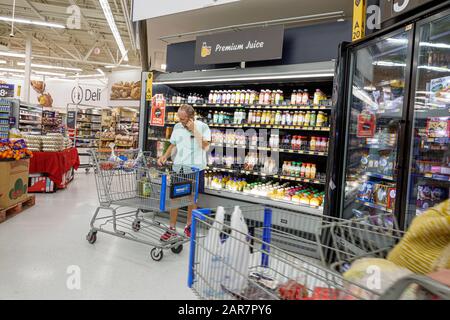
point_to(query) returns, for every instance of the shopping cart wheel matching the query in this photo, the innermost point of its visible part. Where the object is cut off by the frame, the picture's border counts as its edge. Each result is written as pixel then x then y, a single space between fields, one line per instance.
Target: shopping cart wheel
pixel 91 237
pixel 136 225
pixel 156 254
pixel 177 249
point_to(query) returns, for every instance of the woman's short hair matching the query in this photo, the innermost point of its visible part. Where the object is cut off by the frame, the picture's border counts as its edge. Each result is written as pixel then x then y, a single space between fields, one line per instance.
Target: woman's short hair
pixel 188 109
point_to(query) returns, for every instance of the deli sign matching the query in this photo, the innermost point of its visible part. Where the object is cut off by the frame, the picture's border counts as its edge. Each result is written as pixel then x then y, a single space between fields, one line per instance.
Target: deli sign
pixel 254 44
pixel 81 95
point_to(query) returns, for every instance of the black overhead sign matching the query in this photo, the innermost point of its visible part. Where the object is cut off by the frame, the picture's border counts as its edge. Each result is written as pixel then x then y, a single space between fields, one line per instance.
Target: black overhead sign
pixel 255 44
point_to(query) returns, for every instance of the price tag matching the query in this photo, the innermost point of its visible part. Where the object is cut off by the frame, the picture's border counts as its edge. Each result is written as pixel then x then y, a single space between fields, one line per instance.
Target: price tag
pixel 291 151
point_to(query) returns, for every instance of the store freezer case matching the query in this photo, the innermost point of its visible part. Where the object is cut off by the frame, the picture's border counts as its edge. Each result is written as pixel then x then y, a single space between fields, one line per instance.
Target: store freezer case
pixel 392 123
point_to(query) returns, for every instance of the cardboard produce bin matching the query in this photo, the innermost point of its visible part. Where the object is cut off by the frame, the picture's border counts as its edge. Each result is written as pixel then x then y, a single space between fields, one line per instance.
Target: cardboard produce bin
pixel 13 182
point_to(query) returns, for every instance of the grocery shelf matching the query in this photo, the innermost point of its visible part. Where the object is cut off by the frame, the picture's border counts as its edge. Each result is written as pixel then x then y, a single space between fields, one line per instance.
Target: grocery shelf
pixel 158 139
pixel 254 106
pixel 308 152
pixel 380 176
pixel 375 206
pixel 434 176
pixel 264 175
pixel 264 200
pixel 29 121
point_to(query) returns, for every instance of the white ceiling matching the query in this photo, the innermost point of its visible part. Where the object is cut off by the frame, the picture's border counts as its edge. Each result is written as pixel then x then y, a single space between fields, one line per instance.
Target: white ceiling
pixel 244 11
pixel 67 47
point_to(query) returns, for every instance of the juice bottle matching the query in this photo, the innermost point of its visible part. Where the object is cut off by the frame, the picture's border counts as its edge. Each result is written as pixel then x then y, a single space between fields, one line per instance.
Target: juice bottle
pixel 305 97
pixel 247 97
pixel 306 119
pixel 317 97
pixel 283 119
pixel 277 97
pixel 278 117
pixel 299 97
pixel 263 117
pixel 308 171
pixel 294 97
pixel 302 170
pixel 312 144
pixel 272 117
pixel 242 99
pixel 251 99
pixel 319 120
pixel 288 118
pixel 273 94
pixel 210 97
pixel 262 93
pixel 301 118
pixel 266 97
pixel 295 119
pixel 294 143
pixel 313 171
pixel 312 119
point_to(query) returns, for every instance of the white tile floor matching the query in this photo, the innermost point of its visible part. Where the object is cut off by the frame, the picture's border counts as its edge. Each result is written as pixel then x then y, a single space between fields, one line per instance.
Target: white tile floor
pixel 39 245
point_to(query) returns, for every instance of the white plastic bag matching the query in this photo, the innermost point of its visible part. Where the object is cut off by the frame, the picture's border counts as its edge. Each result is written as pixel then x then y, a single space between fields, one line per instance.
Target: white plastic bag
pixel 236 254
pixel 210 258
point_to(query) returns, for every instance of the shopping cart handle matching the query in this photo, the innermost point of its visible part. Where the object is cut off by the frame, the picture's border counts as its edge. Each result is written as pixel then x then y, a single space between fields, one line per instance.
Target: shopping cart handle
pixel 433 286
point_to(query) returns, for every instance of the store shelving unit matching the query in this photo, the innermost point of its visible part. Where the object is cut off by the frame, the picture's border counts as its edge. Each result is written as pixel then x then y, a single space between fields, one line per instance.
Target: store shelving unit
pixel 5 114
pixel 158 137
pixel 52 122
pixel 30 118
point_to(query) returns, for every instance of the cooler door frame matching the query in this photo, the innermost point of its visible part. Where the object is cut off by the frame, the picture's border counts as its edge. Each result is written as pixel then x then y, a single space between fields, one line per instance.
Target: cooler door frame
pixel 411 103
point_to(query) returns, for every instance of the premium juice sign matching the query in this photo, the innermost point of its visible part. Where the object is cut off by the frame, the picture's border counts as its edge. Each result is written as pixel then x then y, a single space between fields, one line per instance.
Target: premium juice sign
pixel 158 113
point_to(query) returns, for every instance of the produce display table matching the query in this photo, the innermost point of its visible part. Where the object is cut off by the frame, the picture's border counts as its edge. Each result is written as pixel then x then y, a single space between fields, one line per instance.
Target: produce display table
pixel 56 166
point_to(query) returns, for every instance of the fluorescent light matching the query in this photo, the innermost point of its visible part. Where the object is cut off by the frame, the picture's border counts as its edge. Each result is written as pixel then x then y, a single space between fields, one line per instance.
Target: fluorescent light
pixel 12 70
pixel 34 22
pixel 435 45
pixel 87 76
pixel 388 64
pixel 2 61
pixel 439 69
pixel 112 25
pixel 45 66
pixel 101 72
pixel 45 73
pixel 299 76
pixel 425 92
pixel 12 54
pixel 122 66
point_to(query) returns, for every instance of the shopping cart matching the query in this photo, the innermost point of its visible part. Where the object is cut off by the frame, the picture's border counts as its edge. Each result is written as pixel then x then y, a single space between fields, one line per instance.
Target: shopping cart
pixel 130 179
pixel 273 271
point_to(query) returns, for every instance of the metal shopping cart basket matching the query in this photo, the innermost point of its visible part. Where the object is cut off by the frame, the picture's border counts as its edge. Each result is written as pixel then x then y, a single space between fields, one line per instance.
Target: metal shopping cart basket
pixel 273 272
pixel 130 179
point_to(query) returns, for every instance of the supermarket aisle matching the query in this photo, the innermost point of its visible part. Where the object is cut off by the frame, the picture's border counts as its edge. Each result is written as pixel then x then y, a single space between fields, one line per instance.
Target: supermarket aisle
pixel 41 243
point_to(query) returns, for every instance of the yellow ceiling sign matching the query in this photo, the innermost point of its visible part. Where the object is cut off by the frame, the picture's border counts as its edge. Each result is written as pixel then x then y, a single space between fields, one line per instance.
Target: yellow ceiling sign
pixel 149 87
pixel 359 19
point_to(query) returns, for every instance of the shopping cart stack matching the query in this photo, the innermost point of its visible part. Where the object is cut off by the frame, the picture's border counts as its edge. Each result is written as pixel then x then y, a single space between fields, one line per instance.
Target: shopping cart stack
pixel 131 185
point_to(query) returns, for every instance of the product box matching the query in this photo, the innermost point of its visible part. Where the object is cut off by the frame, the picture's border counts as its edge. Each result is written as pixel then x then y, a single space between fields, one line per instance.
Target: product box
pixel 438 127
pixel 366 191
pixel 14 182
pixel 380 195
pixel 391 193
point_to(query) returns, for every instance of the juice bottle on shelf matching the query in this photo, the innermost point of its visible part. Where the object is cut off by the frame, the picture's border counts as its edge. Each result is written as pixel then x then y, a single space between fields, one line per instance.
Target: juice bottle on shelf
pixel 288 118
pixel 228 99
pixel 281 97
pixel 294 97
pixel 237 97
pixel 278 118
pixel 312 119
pixel 262 94
pixel 251 100
pixel 326 144
pixel 242 99
pixel 210 97
pixel 277 97
pixel 263 117
pixel 283 118
pixel 319 120
pixel 305 97
pixel 266 97
pixel 294 143
pixel 317 97
pixel 298 169
pixel 224 96
pixel 299 97
pixel 302 170
pixel 313 171
pixel 247 97
pixel 215 93
pixel 250 116
pixel 301 118
pixel 306 119
pixel 295 119
pixel 308 171
pixel 312 144
pixel 272 117
pixel 273 94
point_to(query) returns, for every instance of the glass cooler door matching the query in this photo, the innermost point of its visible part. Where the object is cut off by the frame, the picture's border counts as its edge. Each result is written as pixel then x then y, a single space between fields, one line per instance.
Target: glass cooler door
pixel 376 113
pixel 429 179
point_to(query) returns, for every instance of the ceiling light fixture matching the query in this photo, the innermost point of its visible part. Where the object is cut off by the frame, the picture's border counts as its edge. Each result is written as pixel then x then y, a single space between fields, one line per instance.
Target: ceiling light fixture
pixel 45 73
pixel 299 76
pixel 12 70
pixel 101 72
pixel 45 66
pixel 2 61
pixel 112 25
pixel 12 54
pixel 86 76
pixel 33 22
